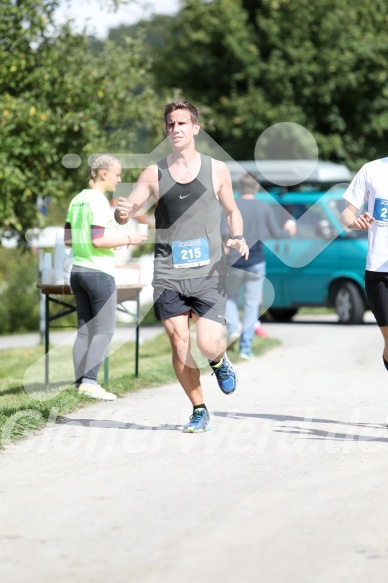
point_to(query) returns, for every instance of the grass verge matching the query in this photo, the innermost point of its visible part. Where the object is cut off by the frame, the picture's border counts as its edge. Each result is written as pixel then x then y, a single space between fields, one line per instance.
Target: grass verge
pixel 27 407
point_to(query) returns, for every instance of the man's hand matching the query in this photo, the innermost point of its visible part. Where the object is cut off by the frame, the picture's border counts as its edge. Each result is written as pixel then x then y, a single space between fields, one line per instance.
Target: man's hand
pixel 349 219
pixel 363 222
pixel 123 210
pixel 239 246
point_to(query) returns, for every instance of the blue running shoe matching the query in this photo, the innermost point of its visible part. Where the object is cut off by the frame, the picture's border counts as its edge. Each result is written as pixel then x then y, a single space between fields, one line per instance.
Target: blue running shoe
pixel 199 422
pixel 226 376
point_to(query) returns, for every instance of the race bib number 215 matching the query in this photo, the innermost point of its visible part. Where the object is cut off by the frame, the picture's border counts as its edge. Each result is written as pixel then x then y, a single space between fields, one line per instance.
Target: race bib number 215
pixel 190 253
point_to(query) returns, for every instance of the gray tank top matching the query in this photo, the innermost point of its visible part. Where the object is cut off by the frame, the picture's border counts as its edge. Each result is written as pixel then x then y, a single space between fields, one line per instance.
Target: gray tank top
pixel 188 240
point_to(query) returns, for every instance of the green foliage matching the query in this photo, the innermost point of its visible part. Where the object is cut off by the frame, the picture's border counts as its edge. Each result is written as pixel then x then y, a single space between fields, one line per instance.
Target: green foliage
pixel 152 32
pixel 249 64
pixel 19 298
pixel 209 51
pixel 330 59
pixel 56 98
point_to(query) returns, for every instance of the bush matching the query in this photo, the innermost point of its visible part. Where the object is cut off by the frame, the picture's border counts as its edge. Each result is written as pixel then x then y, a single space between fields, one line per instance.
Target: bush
pixel 19 297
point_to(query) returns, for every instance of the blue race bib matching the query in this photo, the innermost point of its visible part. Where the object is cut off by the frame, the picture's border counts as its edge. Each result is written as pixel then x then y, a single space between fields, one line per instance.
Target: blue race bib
pixel 380 211
pixel 190 253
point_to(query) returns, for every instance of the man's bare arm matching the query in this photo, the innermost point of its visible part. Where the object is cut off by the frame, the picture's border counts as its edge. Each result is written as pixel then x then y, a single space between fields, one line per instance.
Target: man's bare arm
pixel 351 221
pixel 146 186
pixel 233 216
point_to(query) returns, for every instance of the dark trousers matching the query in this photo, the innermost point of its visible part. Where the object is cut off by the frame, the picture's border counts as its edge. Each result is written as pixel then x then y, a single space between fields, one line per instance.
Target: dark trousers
pixel 96 300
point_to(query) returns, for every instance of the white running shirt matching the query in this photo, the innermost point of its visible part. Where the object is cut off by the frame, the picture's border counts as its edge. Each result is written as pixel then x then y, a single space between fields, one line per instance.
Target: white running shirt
pixel 371 185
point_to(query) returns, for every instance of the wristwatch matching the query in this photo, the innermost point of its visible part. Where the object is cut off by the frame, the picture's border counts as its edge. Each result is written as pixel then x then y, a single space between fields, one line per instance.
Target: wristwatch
pixel 239 237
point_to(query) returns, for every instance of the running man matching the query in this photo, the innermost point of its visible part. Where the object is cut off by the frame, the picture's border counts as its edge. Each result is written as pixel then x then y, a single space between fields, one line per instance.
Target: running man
pixel 369 185
pixel 189 262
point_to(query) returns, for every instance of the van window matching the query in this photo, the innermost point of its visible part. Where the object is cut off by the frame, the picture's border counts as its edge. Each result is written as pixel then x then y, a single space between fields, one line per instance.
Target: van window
pixel 308 222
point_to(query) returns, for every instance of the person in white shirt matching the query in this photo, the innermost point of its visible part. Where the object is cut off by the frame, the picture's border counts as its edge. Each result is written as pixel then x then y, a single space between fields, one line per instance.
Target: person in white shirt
pixel 370 185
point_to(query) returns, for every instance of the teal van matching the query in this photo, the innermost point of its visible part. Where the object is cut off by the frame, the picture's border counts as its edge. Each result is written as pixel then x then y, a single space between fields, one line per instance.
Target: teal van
pixel 323 264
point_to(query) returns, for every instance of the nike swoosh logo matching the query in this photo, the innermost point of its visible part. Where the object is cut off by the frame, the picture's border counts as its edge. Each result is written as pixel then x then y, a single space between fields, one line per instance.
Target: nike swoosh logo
pixel 184 196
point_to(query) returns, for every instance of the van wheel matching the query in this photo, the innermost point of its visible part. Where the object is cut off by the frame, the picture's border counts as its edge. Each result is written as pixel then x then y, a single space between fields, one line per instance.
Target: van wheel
pixel 349 304
pixel 282 314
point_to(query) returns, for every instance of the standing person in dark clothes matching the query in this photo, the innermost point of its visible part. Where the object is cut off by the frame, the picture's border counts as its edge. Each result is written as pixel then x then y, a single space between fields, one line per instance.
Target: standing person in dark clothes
pixel 259 220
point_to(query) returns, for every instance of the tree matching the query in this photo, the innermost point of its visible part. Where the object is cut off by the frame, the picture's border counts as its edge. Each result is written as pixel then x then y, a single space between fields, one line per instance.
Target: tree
pixel 152 31
pixel 209 50
pixel 329 57
pixel 57 98
pixel 19 305
pixel 255 63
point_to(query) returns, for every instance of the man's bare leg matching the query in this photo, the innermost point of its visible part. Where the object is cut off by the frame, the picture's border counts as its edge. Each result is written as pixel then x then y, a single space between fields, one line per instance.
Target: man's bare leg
pixel 185 367
pixel 212 344
pixel 210 338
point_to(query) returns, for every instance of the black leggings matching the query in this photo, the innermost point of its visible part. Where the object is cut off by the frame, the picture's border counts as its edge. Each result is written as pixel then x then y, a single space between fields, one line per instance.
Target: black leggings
pixel 376 287
pixel 96 300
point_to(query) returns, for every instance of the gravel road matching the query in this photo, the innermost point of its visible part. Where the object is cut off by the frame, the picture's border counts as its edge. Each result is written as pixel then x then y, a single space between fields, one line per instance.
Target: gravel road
pixel 290 486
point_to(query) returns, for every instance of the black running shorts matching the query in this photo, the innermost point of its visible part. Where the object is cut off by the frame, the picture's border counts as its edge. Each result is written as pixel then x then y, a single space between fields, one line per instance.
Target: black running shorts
pixel 204 296
pixel 376 287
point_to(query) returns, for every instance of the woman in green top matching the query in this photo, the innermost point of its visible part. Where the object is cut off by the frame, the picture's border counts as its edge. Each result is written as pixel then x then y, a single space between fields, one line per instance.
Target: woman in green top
pixel 92 277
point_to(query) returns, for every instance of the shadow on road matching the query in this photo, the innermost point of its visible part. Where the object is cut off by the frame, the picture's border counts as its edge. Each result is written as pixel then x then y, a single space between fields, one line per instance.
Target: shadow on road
pixel 312 432
pixel 110 424
pixel 306 431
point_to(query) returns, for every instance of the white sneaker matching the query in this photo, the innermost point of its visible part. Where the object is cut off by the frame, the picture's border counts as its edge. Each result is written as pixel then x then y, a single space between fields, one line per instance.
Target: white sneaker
pixel 94 391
